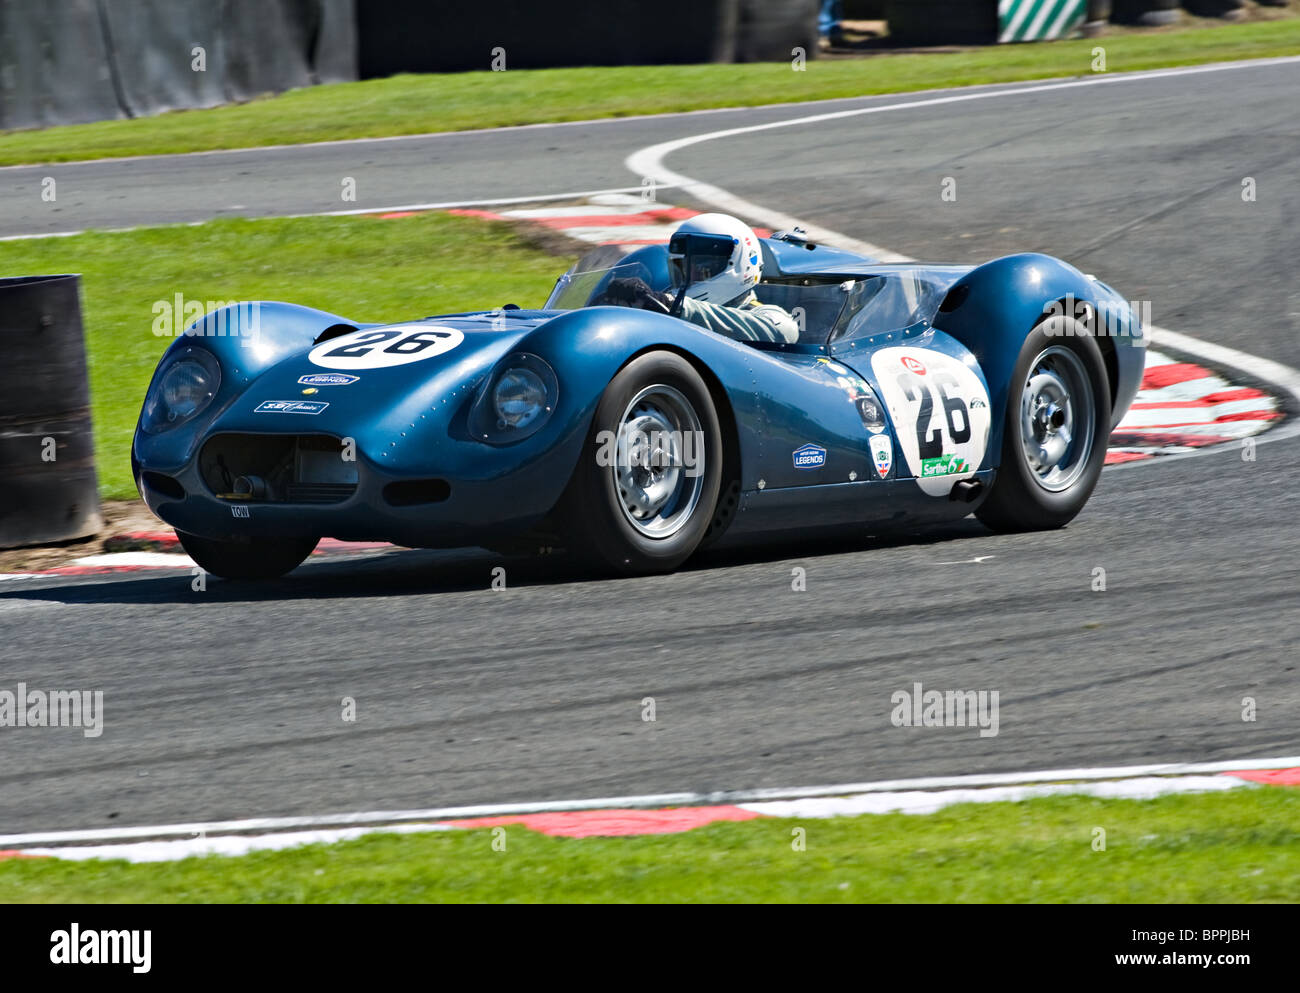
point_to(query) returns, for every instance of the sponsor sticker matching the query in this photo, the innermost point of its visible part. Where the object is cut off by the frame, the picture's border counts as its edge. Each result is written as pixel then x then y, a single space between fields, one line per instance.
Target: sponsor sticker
pixel 913 365
pixel 809 457
pixel 945 465
pixel 238 511
pixel 882 453
pixel 290 407
pixel 327 379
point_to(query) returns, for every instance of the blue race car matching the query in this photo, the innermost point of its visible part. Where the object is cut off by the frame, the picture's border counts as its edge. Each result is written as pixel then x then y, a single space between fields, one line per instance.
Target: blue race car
pixel 910 394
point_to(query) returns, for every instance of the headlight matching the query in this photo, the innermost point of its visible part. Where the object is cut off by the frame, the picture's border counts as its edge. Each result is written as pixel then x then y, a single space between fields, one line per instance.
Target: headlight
pixel 182 392
pixel 519 399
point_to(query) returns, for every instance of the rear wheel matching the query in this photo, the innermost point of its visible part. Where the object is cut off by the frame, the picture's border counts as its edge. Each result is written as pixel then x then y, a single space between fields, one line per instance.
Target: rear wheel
pixel 262 558
pixel 1054 439
pixel 646 486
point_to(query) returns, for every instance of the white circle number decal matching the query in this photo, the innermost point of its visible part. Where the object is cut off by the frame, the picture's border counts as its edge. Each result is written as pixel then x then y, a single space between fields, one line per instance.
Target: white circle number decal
pixel 940 410
pixel 383 347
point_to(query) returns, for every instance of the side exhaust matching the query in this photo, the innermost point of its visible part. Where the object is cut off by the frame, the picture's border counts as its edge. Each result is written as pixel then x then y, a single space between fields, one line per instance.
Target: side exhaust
pixel 966 491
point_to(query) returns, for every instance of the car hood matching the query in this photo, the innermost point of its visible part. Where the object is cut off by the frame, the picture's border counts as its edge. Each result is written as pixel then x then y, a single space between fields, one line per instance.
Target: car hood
pixel 356 378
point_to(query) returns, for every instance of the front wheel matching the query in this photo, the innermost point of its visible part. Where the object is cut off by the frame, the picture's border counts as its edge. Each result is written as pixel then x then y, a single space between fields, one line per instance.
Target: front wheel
pixel 646 486
pixel 261 558
pixel 1054 439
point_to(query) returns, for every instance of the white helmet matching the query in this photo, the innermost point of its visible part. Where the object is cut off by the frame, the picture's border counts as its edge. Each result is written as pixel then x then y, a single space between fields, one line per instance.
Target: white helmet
pixel 717 280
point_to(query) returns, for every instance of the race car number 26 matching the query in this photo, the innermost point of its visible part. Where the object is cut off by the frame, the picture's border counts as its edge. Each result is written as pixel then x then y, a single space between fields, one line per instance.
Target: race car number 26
pixel 940 410
pixel 383 347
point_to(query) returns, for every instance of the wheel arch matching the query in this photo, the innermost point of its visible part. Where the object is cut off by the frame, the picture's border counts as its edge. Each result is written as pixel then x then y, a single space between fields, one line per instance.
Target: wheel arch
pixel 609 339
pixel 994 307
pixel 729 491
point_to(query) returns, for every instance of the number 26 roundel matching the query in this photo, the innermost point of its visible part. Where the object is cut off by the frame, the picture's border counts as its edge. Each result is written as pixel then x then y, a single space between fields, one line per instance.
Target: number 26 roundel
pixel 940 410
pixel 383 347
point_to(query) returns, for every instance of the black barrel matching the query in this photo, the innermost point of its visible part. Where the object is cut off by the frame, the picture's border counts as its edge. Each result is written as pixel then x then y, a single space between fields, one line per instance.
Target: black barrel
pixel 1149 12
pixel 48 489
pixel 770 30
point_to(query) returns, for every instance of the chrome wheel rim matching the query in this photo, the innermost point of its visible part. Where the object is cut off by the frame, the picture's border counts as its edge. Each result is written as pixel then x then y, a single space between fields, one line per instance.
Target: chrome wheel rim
pixel 1057 418
pixel 658 434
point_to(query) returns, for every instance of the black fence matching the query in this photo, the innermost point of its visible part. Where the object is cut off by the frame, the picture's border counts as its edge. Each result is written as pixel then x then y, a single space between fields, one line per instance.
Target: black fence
pixel 417 36
pixel 71 61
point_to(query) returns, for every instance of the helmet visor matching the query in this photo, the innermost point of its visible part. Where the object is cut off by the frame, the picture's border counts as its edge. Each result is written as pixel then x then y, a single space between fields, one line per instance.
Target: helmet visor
pixel 709 256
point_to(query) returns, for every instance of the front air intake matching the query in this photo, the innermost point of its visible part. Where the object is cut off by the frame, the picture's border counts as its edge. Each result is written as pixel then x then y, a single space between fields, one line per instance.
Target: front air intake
pixel 278 468
pixel 411 492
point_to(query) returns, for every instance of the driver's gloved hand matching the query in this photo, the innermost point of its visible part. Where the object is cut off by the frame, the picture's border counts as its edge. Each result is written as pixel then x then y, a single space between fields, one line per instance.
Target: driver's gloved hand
pixel 630 291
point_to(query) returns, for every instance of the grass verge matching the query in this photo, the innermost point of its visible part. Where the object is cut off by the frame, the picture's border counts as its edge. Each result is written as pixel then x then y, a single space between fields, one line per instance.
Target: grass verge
pixel 366 268
pixel 1241 846
pixel 465 101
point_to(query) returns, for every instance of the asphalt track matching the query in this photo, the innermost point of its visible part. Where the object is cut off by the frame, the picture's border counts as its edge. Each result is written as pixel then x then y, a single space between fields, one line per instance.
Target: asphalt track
pixel 226 703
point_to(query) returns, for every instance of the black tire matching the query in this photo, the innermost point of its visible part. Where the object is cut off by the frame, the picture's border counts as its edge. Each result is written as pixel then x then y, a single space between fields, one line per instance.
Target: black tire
pixel 1215 8
pixel 1146 12
pixel 262 558
pixel 593 513
pixel 1020 499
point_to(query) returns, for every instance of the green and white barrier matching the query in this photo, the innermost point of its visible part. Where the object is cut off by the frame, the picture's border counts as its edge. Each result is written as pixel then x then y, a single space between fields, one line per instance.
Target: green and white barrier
pixel 1039 20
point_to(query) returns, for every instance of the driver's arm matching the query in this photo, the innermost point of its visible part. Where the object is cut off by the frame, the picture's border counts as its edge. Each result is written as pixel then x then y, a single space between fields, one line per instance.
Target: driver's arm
pixel 762 323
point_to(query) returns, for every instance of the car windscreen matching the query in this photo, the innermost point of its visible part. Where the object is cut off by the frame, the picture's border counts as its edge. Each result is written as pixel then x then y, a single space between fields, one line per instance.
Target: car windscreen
pixel 815 305
pixel 577 289
pixel 890 301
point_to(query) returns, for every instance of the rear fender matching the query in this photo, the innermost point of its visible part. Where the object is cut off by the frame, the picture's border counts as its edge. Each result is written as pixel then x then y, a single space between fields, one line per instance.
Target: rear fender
pixel 991 311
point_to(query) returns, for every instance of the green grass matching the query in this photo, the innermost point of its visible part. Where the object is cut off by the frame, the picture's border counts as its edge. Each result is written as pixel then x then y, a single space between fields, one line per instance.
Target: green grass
pixel 1238 847
pixel 462 101
pixel 359 267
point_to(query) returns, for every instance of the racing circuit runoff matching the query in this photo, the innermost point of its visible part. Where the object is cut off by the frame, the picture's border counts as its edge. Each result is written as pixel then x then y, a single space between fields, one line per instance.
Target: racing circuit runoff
pixel 1131 635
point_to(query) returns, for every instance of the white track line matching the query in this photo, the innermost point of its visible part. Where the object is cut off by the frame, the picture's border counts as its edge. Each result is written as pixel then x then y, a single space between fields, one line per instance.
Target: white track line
pixel 499 201
pixel 649 164
pixel 911 802
pixel 170 560
pixel 359 211
pixel 229 845
pixel 264 824
pixel 927 802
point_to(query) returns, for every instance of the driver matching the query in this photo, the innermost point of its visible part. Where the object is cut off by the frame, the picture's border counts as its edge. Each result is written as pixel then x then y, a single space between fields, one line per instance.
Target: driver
pixel 720 296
